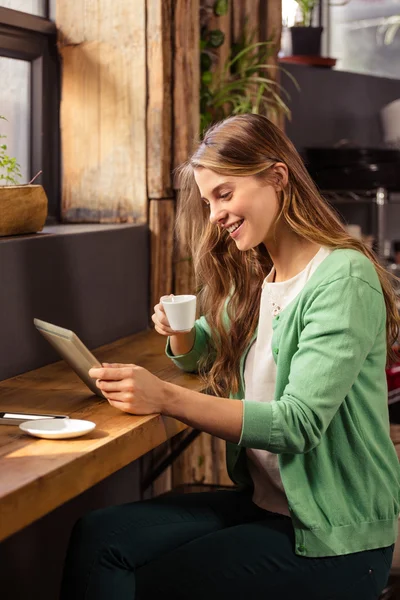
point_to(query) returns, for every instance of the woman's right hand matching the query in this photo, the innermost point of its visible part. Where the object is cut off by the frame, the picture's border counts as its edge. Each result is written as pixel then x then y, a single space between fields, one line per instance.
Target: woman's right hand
pixel 161 323
pixel 181 342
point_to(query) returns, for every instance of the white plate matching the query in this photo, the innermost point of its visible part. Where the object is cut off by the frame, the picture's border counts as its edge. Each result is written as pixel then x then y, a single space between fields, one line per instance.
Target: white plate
pixel 57 428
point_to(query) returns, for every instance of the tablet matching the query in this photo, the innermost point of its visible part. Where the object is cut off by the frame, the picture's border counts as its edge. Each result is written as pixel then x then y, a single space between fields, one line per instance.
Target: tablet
pixel 73 351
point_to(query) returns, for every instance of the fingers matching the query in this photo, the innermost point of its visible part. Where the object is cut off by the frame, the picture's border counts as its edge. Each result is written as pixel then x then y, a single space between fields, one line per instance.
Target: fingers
pixel 121 405
pixel 125 405
pixel 125 386
pixel 160 320
pixel 162 329
pixel 115 386
pixel 112 373
pixel 120 397
pixel 159 312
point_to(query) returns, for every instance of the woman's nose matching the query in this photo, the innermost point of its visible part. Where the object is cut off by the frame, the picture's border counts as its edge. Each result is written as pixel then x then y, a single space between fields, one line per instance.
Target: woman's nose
pixel 217 214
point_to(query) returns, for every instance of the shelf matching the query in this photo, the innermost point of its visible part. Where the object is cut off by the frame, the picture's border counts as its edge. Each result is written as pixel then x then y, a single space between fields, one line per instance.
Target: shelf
pixel 353 196
pixel 310 61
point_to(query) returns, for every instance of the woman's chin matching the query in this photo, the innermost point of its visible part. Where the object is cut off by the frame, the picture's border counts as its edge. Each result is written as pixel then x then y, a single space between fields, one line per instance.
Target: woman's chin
pixel 243 246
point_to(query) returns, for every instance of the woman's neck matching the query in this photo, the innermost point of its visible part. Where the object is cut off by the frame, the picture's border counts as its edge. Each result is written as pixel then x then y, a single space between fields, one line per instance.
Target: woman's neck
pixel 290 253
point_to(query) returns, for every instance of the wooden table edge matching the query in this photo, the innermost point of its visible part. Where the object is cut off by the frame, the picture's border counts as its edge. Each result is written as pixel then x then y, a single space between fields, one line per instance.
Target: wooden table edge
pixel 37 498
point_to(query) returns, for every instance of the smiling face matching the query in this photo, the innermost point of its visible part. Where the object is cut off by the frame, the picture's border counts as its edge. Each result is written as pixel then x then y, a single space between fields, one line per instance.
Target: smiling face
pixel 245 201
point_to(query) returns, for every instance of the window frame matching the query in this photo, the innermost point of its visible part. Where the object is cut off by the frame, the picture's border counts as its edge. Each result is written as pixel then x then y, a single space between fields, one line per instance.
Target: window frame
pixel 27 37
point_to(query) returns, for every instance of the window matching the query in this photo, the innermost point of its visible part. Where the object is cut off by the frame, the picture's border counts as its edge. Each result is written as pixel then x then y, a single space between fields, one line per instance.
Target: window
pixel 29 92
pixel 365 37
pixel 15 102
pixel 33 7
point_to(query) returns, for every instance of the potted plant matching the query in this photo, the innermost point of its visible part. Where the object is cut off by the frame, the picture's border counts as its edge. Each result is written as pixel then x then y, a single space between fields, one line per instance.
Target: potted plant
pixel 306 39
pixel 23 208
pixel 246 82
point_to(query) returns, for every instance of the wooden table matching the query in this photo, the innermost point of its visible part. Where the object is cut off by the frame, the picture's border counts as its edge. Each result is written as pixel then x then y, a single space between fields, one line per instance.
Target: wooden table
pixel 39 475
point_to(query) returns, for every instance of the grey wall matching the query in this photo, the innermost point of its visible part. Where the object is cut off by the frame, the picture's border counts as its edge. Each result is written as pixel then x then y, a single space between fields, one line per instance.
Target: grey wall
pixel 334 105
pixel 91 279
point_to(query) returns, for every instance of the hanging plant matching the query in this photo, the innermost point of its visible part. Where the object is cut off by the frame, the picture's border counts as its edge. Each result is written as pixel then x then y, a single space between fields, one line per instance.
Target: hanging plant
pixel 221 7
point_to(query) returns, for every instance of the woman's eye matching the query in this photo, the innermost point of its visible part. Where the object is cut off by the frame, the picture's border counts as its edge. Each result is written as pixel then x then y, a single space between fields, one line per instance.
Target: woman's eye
pixel 226 195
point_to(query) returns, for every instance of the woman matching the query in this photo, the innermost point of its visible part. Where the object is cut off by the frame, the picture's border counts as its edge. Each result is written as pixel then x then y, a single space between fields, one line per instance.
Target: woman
pixel 298 320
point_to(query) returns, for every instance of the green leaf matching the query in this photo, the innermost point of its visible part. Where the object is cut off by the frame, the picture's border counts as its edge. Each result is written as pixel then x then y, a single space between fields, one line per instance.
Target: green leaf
pixel 391 32
pixel 206 100
pixel 260 92
pixel 279 68
pixel 243 52
pixel 221 7
pixel 205 61
pixel 306 8
pixel 216 38
pixel 206 77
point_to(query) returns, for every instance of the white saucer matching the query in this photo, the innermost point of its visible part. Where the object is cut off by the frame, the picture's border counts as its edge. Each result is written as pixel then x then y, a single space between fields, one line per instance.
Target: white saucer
pixel 57 428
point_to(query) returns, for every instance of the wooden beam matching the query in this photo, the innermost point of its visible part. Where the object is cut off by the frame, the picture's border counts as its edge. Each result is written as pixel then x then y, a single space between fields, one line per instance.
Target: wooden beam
pixel 202 462
pixel 159 168
pixel 103 110
pixel 184 280
pixel 223 23
pixel 186 78
pixel 159 107
pixel 271 29
pixel 273 22
pixel 161 224
pixel 163 483
pixel 245 16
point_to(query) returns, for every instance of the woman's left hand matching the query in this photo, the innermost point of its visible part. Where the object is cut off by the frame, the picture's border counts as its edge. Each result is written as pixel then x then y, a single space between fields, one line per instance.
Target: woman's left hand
pixel 130 388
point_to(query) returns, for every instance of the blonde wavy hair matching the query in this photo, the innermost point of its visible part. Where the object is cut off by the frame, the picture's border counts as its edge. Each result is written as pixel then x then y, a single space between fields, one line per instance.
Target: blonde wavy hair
pixel 227 278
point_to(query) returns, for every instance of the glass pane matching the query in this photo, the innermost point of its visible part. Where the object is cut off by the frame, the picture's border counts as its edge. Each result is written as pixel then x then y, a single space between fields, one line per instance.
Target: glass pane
pixel 365 37
pixel 33 7
pixel 15 106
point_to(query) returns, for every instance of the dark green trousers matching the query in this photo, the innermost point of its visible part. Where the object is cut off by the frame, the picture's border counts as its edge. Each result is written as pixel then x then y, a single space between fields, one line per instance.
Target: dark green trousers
pixel 211 545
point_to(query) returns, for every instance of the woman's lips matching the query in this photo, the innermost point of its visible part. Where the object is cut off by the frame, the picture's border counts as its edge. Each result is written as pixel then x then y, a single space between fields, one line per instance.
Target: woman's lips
pixel 235 233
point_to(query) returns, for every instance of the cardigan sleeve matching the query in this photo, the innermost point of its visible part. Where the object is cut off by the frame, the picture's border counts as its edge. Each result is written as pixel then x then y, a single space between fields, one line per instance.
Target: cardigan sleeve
pixel 189 362
pixel 340 327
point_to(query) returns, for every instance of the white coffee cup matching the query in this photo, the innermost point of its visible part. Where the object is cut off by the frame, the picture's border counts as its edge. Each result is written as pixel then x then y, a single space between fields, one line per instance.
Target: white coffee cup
pixel 180 311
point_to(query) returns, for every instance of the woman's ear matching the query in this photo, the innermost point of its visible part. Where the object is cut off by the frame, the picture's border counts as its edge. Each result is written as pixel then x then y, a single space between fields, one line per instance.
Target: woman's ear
pixel 280 176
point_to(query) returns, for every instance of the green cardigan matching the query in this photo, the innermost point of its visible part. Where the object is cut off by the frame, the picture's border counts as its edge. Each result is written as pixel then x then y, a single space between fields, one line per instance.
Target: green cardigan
pixel 328 421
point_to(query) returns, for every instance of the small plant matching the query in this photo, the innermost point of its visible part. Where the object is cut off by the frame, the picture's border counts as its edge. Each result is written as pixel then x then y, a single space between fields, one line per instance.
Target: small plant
pixel 10 171
pixel 306 9
pixel 388 30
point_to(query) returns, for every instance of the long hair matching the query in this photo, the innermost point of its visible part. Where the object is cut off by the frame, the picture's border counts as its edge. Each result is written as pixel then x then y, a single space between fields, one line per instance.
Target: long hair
pixel 227 278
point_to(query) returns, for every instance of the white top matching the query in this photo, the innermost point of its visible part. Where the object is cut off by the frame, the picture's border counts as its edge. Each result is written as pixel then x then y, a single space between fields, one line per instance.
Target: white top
pixel 260 377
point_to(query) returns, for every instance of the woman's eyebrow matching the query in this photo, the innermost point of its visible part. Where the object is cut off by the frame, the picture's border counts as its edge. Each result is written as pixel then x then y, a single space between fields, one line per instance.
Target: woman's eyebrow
pixel 217 189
